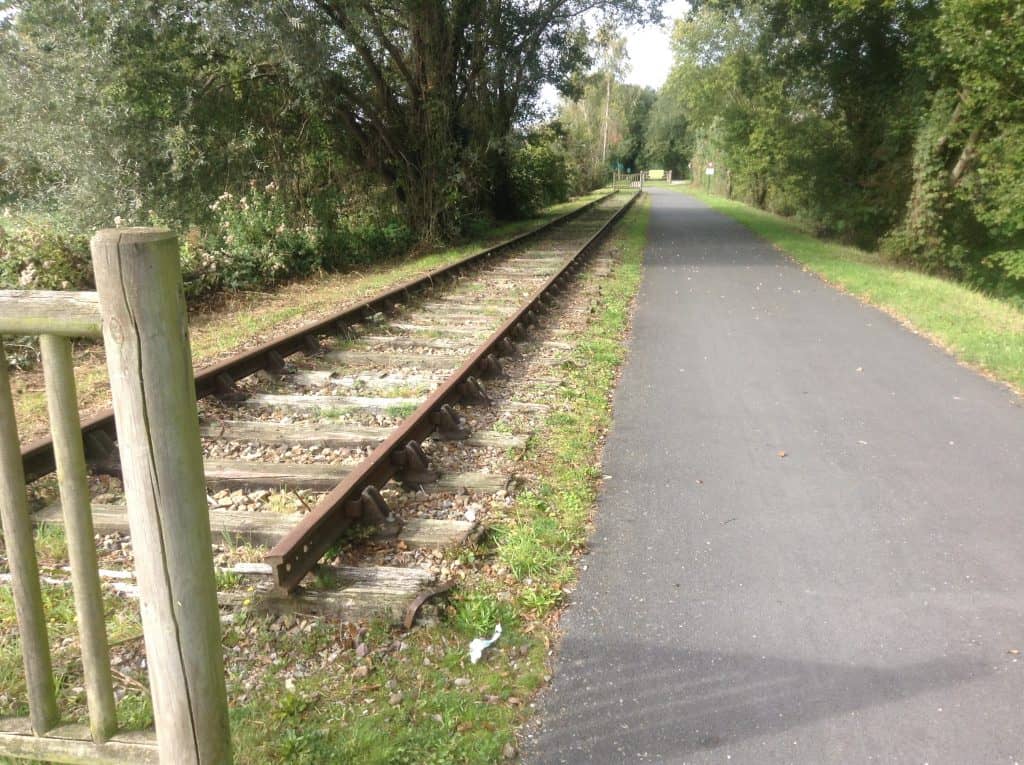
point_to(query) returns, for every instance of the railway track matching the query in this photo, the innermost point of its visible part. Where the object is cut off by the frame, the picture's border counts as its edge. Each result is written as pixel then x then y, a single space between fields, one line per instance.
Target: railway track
pixel 381 416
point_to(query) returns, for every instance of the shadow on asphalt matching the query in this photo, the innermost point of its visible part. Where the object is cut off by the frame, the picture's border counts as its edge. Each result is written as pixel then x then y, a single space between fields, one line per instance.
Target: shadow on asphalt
pixel 703 700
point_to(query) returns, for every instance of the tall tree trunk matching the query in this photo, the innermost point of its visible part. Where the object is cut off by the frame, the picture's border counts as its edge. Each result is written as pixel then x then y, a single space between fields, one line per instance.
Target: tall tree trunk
pixel 607 116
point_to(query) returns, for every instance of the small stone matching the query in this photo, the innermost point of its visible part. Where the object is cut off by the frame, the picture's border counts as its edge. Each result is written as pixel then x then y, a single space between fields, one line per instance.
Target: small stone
pixel 361 672
pixel 361 650
pixel 395 698
pixel 461 682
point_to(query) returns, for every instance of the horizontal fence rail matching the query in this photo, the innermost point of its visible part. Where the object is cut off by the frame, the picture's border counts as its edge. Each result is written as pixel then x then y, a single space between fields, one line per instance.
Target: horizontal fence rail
pixel 40 312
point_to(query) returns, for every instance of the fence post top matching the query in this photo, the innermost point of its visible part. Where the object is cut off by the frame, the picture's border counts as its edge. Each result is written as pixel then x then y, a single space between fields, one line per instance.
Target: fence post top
pixel 131 235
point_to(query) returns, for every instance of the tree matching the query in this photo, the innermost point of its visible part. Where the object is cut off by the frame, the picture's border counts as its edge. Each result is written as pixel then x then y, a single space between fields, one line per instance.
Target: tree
pixel 612 64
pixel 668 139
pixel 965 215
pixel 427 92
pixel 155 105
pixel 634 103
pixel 118 108
pixel 810 103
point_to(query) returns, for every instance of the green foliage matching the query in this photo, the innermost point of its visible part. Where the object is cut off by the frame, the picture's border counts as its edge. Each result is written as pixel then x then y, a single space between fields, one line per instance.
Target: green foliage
pixel 538 175
pixel 255 241
pixel 477 612
pixel 897 123
pixel 668 142
pixel 254 244
pixel 803 106
pixel 126 107
pixel 966 213
pixel 39 254
pixel 604 126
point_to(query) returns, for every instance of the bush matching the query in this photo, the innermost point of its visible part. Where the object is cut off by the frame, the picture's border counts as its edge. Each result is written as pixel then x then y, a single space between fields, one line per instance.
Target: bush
pixel 255 242
pixel 258 242
pixel 539 177
pixel 252 245
pixel 40 256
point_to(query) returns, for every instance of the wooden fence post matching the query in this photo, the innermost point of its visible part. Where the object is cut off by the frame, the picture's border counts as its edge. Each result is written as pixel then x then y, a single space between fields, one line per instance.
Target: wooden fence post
pixel 145 332
pixel 21 555
pixel 69 456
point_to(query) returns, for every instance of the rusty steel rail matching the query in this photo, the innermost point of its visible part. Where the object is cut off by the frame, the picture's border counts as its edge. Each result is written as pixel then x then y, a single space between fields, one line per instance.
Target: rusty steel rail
pixel 357 497
pixel 98 431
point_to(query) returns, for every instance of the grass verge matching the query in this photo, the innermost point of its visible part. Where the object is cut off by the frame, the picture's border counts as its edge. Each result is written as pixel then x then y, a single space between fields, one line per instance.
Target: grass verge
pixel 981 331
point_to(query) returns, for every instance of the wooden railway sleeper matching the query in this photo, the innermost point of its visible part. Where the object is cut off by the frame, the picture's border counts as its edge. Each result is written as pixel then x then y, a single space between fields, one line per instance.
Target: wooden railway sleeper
pixel 413 466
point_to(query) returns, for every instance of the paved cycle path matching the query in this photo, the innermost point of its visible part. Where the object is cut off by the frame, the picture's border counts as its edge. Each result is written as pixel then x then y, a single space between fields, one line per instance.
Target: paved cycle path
pixel 857 600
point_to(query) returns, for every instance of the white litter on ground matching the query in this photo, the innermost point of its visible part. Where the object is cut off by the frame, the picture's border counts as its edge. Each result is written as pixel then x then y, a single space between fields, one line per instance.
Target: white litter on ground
pixel 478 645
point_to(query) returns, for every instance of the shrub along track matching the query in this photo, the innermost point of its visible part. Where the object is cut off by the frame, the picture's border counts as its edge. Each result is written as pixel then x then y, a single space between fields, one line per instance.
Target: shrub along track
pixel 373 422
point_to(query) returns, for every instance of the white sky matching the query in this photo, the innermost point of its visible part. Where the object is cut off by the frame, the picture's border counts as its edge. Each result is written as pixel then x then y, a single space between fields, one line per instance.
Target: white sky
pixel 650 56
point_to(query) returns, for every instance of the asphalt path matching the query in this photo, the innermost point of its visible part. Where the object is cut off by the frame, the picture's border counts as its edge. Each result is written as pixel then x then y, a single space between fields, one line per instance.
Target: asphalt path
pixel 810 542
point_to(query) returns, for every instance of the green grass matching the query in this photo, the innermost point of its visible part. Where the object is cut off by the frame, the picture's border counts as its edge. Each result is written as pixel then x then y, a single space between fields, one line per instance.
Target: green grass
pixel 552 523
pixel 982 331
pixel 400 411
pixel 123 625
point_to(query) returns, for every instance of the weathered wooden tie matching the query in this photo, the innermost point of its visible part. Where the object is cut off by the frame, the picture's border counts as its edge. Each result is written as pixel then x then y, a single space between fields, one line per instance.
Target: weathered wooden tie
pixel 307 434
pixel 266 528
pixel 372 404
pixel 236 474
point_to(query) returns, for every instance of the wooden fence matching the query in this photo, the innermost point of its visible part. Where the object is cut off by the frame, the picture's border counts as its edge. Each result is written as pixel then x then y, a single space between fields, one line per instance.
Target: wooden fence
pixel 139 310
